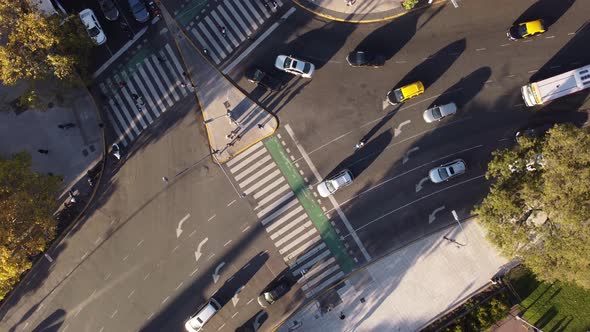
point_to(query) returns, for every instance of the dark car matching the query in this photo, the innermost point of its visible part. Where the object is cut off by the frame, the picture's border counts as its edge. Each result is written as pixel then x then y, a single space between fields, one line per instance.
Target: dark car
pixel 263 79
pixel 109 9
pixel 139 10
pixel 273 293
pixel 365 59
pixel 533 131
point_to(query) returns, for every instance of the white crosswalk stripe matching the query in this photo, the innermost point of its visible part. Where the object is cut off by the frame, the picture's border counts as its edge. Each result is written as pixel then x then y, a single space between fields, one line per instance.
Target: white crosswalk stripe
pixel 240 19
pixel 135 96
pixel 284 219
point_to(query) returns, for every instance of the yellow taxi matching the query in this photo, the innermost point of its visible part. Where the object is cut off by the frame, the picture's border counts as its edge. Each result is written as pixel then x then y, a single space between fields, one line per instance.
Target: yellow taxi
pixel 400 95
pixel 526 29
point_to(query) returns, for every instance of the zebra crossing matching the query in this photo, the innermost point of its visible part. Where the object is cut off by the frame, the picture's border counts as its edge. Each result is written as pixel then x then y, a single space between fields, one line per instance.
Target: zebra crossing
pixel 229 24
pixel 284 219
pixel 136 96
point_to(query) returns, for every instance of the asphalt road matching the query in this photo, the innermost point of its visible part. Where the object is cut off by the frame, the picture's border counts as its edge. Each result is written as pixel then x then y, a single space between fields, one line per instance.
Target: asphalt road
pixel 461 55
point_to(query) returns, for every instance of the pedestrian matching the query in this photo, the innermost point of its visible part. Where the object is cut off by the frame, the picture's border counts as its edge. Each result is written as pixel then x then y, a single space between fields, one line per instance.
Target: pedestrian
pixel 184 74
pixel 134 96
pixel 72 197
pixel 165 179
pixel 222 29
pixel 359 145
pixel 160 59
pixel 43 151
pixel 122 84
pixel 342 316
pixel 205 51
pixel 182 84
pixel 275 5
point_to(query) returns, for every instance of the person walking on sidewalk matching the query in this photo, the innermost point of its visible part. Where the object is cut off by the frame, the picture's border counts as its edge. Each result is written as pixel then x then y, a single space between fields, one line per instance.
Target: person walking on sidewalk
pixel 222 30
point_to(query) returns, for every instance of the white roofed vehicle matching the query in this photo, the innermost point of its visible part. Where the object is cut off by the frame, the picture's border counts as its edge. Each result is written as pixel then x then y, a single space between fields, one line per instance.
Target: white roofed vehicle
pixel 196 321
pixel 294 66
pixel 92 26
pixel 331 185
pixel 539 93
pixel 447 171
pixel 438 113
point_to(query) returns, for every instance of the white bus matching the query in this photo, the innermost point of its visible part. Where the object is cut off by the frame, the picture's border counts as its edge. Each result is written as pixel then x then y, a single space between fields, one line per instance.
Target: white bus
pixel 539 93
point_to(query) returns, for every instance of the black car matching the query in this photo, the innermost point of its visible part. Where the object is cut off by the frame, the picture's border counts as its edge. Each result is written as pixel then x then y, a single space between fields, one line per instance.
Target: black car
pixel 109 9
pixel 263 79
pixel 365 59
pixel 533 131
pixel 273 293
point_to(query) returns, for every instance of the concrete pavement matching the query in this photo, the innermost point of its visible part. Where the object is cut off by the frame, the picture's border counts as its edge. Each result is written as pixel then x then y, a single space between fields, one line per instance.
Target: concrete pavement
pixel 406 289
pixel 233 121
pixel 358 11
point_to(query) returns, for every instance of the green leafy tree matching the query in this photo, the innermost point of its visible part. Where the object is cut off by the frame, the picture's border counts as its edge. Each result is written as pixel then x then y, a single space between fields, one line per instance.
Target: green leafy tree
pixel 27 201
pixel 538 207
pixel 36 47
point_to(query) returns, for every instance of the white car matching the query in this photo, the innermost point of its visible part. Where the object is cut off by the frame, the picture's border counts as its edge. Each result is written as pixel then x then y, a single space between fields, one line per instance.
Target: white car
pixel 438 113
pixel 294 66
pixel 447 171
pixel 92 26
pixel 196 321
pixel 329 186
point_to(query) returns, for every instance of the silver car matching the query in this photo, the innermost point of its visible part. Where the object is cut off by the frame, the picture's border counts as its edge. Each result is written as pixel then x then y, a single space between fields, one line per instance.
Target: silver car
pixel 331 185
pixel 294 66
pixel 447 171
pixel 438 113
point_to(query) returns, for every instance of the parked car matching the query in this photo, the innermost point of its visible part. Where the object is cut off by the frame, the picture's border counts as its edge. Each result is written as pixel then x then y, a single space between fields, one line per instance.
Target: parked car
pixel 294 66
pixel 198 320
pixel 447 171
pixel 526 29
pixel 139 10
pixel 400 95
pixel 438 113
pixel 533 131
pixel 263 79
pixel 92 26
pixel 109 9
pixel 274 293
pixel 331 185
pixel 365 59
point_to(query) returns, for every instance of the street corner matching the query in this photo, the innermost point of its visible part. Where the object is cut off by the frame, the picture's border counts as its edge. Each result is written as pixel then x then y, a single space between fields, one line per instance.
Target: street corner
pixel 356 11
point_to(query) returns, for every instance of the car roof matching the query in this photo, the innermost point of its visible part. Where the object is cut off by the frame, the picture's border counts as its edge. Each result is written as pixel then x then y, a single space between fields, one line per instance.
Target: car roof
pixel 412 89
pixel 86 14
pixel 534 26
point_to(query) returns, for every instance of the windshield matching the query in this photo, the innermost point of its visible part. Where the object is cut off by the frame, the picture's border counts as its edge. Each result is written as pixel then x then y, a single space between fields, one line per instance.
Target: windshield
pixel 287 63
pixel 436 112
pixel 399 95
pixel 306 67
pixel 442 172
pixel 93 32
pixel 522 30
pixel 330 186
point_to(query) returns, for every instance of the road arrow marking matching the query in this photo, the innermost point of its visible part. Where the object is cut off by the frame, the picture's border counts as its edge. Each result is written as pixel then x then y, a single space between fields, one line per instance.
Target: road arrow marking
pixel 235 298
pixel 257 320
pixel 407 155
pixel 179 227
pixel 198 252
pixel 419 185
pixel 432 216
pixel 216 274
pixel 398 130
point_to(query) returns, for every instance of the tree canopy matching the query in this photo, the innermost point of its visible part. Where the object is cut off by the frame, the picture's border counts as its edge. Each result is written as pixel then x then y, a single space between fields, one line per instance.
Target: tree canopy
pixel 27 202
pixel 538 207
pixel 37 47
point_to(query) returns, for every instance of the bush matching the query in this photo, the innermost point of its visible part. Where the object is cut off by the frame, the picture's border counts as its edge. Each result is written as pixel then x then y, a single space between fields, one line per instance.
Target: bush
pixel 409 4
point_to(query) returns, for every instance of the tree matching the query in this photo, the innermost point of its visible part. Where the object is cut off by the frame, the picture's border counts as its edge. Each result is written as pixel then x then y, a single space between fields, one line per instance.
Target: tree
pixel 36 47
pixel 27 202
pixel 538 207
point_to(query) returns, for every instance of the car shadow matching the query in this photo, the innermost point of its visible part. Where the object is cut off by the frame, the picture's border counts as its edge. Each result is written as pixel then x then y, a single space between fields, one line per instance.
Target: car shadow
pixel 431 69
pixel 254 323
pixel 52 323
pixel 548 10
pixel 465 90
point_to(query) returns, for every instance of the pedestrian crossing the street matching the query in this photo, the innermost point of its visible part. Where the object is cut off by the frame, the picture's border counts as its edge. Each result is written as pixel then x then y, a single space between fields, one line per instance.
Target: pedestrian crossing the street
pixel 231 23
pixel 284 219
pixel 135 97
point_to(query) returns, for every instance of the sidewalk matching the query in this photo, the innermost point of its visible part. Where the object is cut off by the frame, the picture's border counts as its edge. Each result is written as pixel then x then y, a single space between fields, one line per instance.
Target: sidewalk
pixel 233 121
pixel 71 151
pixel 407 289
pixel 360 11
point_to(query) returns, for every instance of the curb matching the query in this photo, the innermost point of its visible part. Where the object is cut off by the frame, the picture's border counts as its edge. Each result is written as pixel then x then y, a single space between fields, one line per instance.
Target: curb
pixel 363 268
pixel 329 14
pixel 198 50
pixel 66 231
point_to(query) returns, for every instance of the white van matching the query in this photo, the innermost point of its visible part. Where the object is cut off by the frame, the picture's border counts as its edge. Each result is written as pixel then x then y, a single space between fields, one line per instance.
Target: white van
pixel 196 321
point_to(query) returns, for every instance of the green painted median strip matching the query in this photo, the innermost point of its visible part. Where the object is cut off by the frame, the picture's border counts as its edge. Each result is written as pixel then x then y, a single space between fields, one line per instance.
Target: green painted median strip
pixel 305 197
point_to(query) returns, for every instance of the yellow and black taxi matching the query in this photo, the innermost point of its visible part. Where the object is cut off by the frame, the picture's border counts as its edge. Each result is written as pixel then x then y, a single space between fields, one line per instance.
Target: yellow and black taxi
pixel 526 29
pixel 400 95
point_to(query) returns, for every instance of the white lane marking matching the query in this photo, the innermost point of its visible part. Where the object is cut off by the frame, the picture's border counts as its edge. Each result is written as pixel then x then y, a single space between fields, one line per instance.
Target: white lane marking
pixel 173 250
pixel 415 201
pixel 243 154
pixel 146 276
pixel 179 227
pixel 432 216
pixel 402 61
pixel 532 71
pixel 503 45
pixel 131 294
pixel 114 313
pixel 150 316
pixel 198 252
pixel 274 204
pixel 107 277
pixel 420 184
pixel 245 229
pixel 98 240
pixel 125 258
pixel 179 285
pixel 212 217
pixel 166 299
pixel 219 329
pixel 194 271
pixel 571 33
pixel 318 177
pixel 84 256
pixel 250 301
pixel 230 203
pixel 192 233
pixel 228 242
pixel 549 37
pixel 409 171
pixel 139 243
pixel 480 49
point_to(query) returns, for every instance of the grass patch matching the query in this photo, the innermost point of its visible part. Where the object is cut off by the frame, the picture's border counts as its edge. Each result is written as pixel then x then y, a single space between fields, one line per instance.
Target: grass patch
pixel 552 307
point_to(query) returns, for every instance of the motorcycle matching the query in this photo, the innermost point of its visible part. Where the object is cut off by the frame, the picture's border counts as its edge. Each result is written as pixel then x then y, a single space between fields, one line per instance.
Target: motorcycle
pixel 153 9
